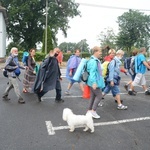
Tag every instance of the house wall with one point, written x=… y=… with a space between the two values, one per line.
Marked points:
x=2 y=36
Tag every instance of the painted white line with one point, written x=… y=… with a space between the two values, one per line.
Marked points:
x=51 y=130
x=72 y=96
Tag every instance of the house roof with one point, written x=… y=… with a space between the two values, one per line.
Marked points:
x=3 y=10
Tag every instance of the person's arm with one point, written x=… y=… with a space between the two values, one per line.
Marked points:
x=146 y=64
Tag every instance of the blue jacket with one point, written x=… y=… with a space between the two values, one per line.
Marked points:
x=95 y=73
x=114 y=68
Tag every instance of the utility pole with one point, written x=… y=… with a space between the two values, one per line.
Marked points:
x=46 y=27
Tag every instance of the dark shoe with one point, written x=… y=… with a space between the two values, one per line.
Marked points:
x=147 y=92
x=39 y=98
x=21 y=101
x=120 y=101
x=126 y=87
x=5 y=97
x=59 y=100
x=131 y=93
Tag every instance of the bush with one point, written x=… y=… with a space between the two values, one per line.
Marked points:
x=66 y=56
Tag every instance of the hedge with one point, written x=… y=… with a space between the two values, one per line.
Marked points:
x=40 y=56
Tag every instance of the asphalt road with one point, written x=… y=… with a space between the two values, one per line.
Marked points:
x=39 y=126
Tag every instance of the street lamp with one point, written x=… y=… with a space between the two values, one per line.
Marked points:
x=46 y=27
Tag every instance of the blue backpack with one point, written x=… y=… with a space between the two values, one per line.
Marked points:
x=25 y=58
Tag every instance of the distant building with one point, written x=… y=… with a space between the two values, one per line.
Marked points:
x=3 y=22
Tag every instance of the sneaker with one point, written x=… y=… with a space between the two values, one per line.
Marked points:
x=59 y=100
x=101 y=103
x=21 y=101
x=5 y=97
x=95 y=115
x=126 y=87
x=122 y=107
x=131 y=93
x=67 y=93
x=147 y=92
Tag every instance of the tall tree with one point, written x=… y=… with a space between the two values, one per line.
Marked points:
x=134 y=27
x=82 y=45
x=27 y=19
x=107 y=38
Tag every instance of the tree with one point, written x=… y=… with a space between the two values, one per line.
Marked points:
x=49 y=40
x=134 y=27
x=107 y=38
x=82 y=45
x=27 y=19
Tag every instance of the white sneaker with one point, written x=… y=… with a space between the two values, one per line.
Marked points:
x=67 y=93
x=95 y=115
x=122 y=107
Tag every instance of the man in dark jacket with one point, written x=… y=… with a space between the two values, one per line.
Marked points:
x=48 y=77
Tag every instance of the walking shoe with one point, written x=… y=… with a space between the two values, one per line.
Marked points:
x=21 y=101
x=95 y=115
x=131 y=93
x=147 y=92
x=126 y=87
x=122 y=107
x=39 y=98
x=101 y=103
x=5 y=97
x=67 y=93
x=59 y=100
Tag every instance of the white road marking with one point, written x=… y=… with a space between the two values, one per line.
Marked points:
x=51 y=130
x=80 y=96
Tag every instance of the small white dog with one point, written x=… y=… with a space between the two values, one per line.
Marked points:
x=78 y=120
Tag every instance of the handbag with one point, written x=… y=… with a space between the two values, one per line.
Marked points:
x=5 y=73
x=84 y=76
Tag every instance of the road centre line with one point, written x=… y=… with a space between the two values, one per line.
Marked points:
x=51 y=130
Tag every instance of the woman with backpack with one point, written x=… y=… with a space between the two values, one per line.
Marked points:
x=30 y=73
x=95 y=81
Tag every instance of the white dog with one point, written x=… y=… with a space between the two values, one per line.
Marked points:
x=78 y=120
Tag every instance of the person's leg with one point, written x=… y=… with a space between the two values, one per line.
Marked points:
x=95 y=101
x=16 y=89
x=58 y=92
x=98 y=98
x=8 y=88
x=69 y=87
x=136 y=81
x=116 y=93
x=92 y=97
x=105 y=91
x=81 y=86
x=143 y=83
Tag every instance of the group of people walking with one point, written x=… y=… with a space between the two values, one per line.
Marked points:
x=103 y=77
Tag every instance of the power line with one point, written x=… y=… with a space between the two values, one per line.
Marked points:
x=111 y=7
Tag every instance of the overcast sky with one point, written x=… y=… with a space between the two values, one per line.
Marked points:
x=93 y=20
